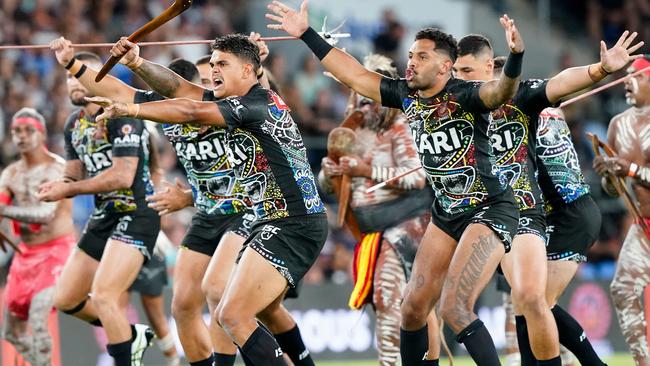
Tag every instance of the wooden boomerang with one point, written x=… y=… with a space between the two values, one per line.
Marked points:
x=619 y=182
x=3 y=239
x=170 y=13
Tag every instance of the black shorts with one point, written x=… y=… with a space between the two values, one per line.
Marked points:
x=500 y=213
x=152 y=277
x=138 y=229
x=572 y=230
x=206 y=231
x=291 y=244
x=533 y=221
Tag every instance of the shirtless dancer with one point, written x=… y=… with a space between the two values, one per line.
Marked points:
x=629 y=135
x=47 y=234
x=385 y=150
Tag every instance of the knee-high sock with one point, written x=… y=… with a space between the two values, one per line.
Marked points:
x=413 y=345
x=292 y=344
x=573 y=337
x=262 y=349
x=479 y=344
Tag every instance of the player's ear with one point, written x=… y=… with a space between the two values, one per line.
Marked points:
x=248 y=71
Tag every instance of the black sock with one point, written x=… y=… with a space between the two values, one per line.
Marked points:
x=430 y=363
x=527 y=357
x=556 y=361
x=209 y=361
x=262 y=349
x=413 y=345
x=292 y=344
x=247 y=361
x=479 y=344
x=121 y=353
x=573 y=337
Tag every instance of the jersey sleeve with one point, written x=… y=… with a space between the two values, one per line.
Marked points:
x=142 y=96
x=70 y=152
x=393 y=92
x=125 y=134
x=468 y=95
x=532 y=96
x=246 y=111
x=208 y=96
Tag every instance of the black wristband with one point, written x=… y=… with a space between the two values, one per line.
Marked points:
x=81 y=71
x=70 y=63
x=512 y=68
x=316 y=43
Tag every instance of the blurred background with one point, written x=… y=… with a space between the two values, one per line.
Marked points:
x=558 y=34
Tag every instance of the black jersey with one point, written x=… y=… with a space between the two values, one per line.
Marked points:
x=202 y=152
x=450 y=134
x=268 y=155
x=513 y=132
x=96 y=144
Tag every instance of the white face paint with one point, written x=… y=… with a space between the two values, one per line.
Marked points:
x=634 y=89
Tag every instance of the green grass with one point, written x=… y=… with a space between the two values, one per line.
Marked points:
x=619 y=359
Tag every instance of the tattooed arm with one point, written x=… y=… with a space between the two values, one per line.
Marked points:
x=166 y=82
x=31 y=214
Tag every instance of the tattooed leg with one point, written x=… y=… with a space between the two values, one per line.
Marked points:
x=389 y=282
x=15 y=332
x=477 y=256
x=39 y=312
x=422 y=292
x=632 y=276
x=525 y=268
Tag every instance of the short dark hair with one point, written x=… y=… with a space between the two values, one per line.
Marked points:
x=87 y=56
x=203 y=60
x=473 y=44
x=499 y=62
x=240 y=46
x=184 y=68
x=444 y=41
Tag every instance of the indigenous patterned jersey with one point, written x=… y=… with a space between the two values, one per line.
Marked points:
x=202 y=152
x=450 y=134
x=560 y=176
x=268 y=155
x=513 y=130
x=96 y=144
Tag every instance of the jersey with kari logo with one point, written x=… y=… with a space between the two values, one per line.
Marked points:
x=268 y=155
x=96 y=144
x=450 y=134
x=560 y=176
x=202 y=152
x=512 y=131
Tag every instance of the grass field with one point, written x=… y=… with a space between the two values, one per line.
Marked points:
x=619 y=359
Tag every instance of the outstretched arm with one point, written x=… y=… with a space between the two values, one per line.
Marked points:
x=110 y=87
x=496 y=92
x=33 y=214
x=179 y=110
x=161 y=79
x=340 y=64
x=577 y=78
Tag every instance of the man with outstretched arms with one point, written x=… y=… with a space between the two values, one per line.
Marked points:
x=474 y=215
x=269 y=159
x=110 y=161
x=392 y=220
x=629 y=136
x=47 y=237
x=513 y=132
x=220 y=226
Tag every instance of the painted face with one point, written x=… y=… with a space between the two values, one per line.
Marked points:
x=228 y=72
x=469 y=67
x=26 y=136
x=204 y=72
x=637 y=89
x=373 y=112
x=425 y=65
